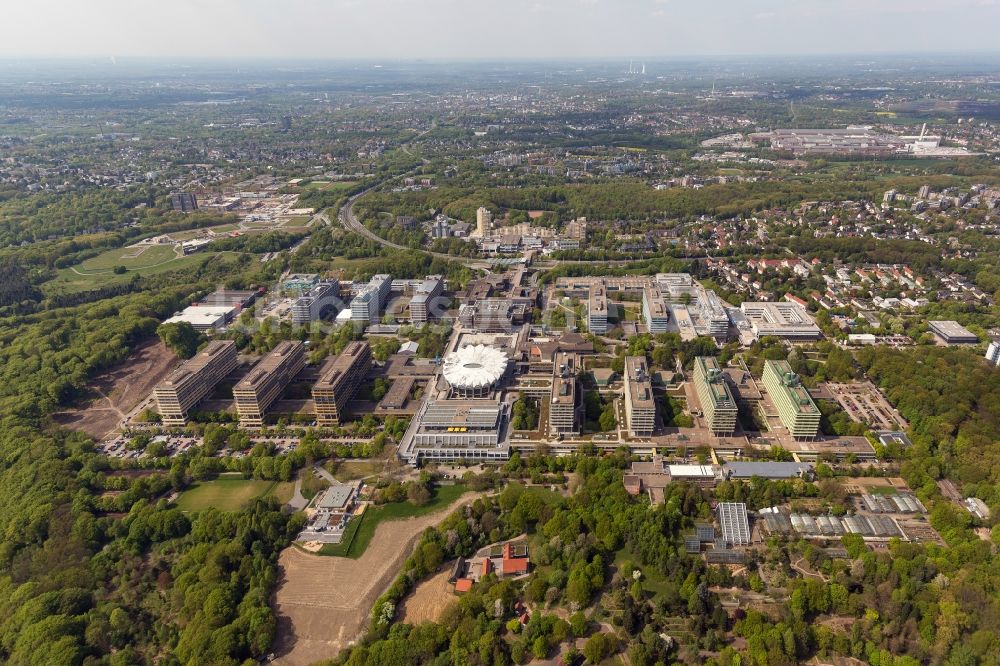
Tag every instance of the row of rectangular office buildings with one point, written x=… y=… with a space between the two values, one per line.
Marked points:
x=255 y=393
x=796 y=409
x=320 y=296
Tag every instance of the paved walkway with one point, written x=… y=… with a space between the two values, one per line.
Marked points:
x=298 y=501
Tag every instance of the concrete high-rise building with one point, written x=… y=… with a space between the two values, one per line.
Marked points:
x=425 y=298
x=484 y=221
x=339 y=380
x=717 y=402
x=597 y=308
x=367 y=305
x=184 y=202
x=186 y=386
x=563 y=401
x=310 y=307
x=640 y=406
x=265 y=383
x=993 y=352
x=654 y=310
x=795 y=406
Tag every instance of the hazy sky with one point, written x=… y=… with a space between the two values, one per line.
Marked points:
x=370 y=29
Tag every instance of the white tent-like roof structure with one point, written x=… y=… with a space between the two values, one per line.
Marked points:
x=475 y=368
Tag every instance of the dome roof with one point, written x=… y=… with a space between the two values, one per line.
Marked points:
x=475 y=366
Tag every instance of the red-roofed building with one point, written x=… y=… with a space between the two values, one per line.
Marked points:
x=512 y=565
x=463 y=585
x=487 y=567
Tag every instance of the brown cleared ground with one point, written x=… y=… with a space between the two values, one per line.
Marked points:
x=323 y=602
x=429 y=599
x=115 y=392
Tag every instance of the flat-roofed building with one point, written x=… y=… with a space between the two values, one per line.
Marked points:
x=953 y=333
x=717 y=402
x=993 y=352
x=767 y=470
x=654 y=310
x=204 y=317
x=795 y=406
x=782 y=319
x=321 y=299
x=563 y=400
x=339 y=381
x=704 y=308
x=459 y=429
x=703 y=475
x=264 y=384
x=597 y=308
x=188 y=385
x=640 y=406
x=492 y=315
x=425 y=298
x=367 y=305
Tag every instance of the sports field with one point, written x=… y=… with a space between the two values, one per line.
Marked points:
x=230 y=493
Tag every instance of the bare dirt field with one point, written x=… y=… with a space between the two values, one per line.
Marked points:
x=429 y=599
x=117 y=391
x=323 y=602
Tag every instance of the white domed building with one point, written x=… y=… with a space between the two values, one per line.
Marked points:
x=474 y=371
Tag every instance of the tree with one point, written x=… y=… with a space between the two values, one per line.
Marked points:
x=181 y=337
x=598 y=648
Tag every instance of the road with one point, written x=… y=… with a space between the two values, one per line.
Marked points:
x=350 y=221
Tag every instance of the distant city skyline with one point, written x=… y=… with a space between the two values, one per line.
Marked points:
x=464 y=29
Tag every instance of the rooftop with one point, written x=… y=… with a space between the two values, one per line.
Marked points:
x=639 y=385
x=792 y=385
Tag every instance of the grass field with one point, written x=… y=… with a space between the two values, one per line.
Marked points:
x=99 y=271
x=349 y=470
x=327 y=186
x=230 y=494
x=361 y=530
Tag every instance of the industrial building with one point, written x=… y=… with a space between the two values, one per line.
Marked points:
x=597 y=308
x=265 y=383
x=564 y=399
x=321 y=299
x=339 y=380
x=367 y=305
x=425 y=298
x=795 y=406
x=188 y=385
x=784 y=319
x=717 y=402
x=733 y=524
x=640 y=406
x=952 y=333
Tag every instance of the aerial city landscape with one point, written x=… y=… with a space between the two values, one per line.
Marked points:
x=616 y=360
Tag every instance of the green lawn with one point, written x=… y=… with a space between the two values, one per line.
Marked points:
x=330 y=186
x=227 y=493
x=350 y=470
x=98 y=272
x=361 y=530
